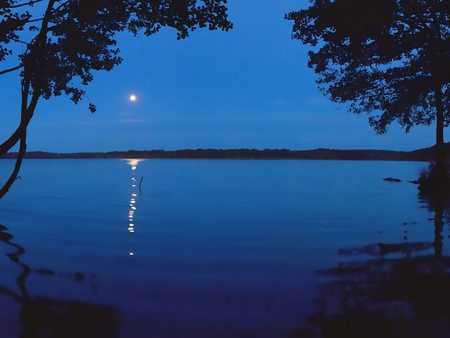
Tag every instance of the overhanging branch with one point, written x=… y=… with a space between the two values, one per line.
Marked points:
x=10 y=70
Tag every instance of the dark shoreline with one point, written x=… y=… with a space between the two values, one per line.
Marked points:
x=426 y=154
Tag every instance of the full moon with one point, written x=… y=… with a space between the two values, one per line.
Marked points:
x=133 y=98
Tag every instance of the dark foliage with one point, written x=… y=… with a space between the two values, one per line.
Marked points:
x=73 y=38
x=389 y=58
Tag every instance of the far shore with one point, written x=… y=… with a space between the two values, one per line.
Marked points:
x=426 y=154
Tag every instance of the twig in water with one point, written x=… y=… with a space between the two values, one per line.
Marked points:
x=140 y=184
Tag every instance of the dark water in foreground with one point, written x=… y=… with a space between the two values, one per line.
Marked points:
x=220 y=249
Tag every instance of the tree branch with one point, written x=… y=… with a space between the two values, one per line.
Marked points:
x=29 y=3
x=26 y=117
x=12 y=178
x=10 y=70
x=22 y=42
x=34 y=20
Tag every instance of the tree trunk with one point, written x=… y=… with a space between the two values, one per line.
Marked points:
x=12 y=178
x=441 y=169
x=439 y=121
x=26 y=111
x=15 y=136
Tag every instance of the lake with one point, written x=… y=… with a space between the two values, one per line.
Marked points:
x=198 y=248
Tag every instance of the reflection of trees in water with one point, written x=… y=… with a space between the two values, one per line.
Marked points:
x=54 y=318
x=15 y=258
x=434 y=191
x=387 y=298
x=403 y=297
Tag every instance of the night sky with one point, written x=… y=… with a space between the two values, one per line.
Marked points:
x=247 y=88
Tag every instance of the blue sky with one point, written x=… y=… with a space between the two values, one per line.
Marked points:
x=248 y=88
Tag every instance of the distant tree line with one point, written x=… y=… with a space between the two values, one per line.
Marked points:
x=251 y=154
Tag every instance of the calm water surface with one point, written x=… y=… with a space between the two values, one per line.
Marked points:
x=206 y=248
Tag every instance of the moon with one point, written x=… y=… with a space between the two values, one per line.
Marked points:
x=133 y=98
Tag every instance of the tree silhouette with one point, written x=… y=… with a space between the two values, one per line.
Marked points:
x=388 y=58
x=66 y=40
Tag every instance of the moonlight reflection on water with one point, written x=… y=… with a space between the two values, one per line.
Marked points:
x=133 y=199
